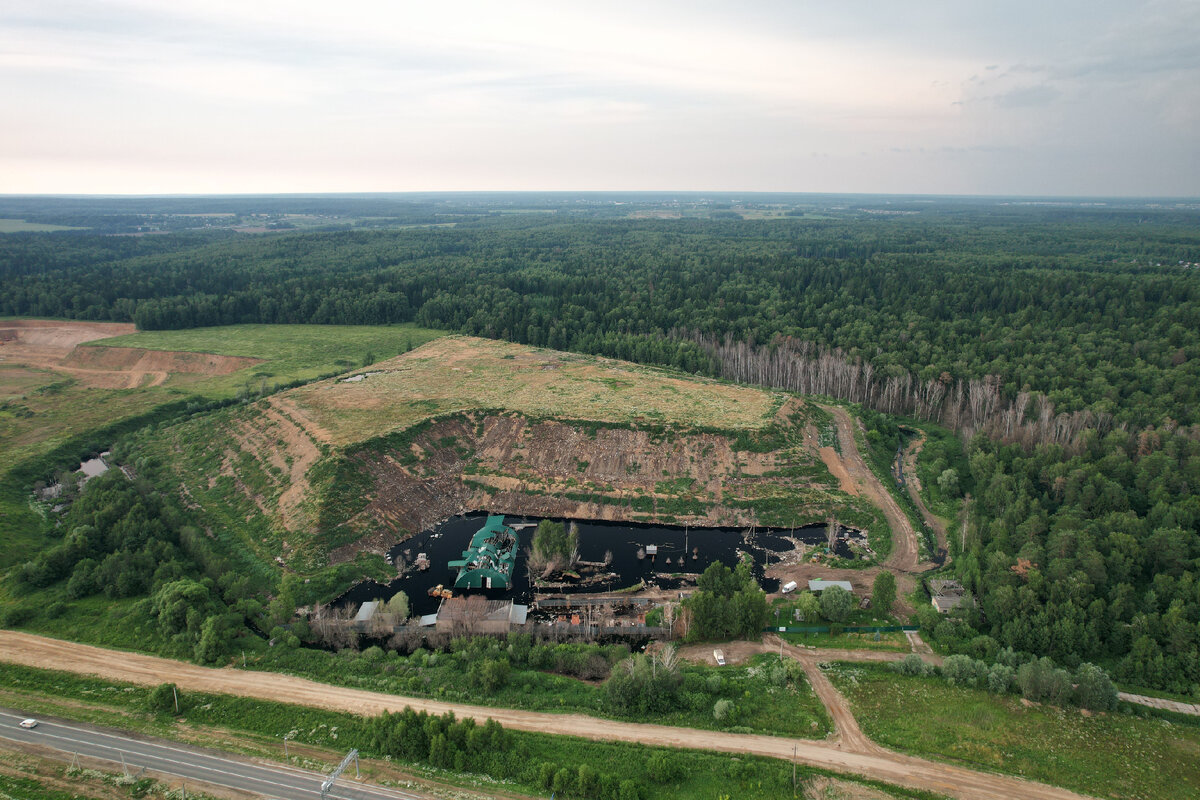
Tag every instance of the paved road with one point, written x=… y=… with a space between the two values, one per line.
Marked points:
x=189 y=763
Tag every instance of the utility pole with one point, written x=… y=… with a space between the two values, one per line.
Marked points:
x=175 y=694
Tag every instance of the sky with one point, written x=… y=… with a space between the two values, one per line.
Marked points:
x=1059 y=98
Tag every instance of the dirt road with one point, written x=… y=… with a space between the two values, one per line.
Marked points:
x=905 y=551
x=851 y=756
x=913 y=484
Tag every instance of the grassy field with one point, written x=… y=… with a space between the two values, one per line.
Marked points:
x=290 y=352
x=9 y=225
x=1109 y=755
x=41 y=406
x=319 y=738
x=460 y=373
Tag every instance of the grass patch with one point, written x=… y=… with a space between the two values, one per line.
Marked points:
x=1110 y=755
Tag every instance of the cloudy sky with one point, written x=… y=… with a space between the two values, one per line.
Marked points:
x=1018 y=97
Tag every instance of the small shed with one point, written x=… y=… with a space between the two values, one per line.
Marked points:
x=818 y=585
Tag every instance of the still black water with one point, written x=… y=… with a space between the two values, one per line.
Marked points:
x=623 y=539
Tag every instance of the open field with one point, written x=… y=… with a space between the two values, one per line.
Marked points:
x=1111 y=755
x=9 y=225
x=52 y=388
x=461 y=373
x=290 y=352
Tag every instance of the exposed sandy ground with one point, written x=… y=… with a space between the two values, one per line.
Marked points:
x=843 y=756
x=53 y=344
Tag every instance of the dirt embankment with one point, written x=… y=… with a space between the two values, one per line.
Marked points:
x=158 y=364
x=876 y=763
x=511 y=464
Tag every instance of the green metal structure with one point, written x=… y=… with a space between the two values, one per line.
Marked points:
x=489 y=561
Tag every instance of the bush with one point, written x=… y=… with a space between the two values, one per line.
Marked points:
x=1093 y=689
x=162 y=698
x=960 y=670
x=836 y=604
x=913 y=665
x=1041 y=681
x=1000 y=678
x=722 y=710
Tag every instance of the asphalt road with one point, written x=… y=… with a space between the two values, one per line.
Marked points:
x=185 y=762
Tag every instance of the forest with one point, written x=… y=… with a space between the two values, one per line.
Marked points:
x=1063 y=347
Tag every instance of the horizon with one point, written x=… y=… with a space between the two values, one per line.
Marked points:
x=723 y=193
x=135 y=98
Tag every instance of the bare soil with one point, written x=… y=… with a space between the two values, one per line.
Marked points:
x=532 y=467
x=53 y=344
x=849 y=754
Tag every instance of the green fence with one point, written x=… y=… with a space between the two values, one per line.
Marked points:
x=847 y=629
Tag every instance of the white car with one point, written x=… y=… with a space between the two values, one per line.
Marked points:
x=719 y=657
x=28 y=723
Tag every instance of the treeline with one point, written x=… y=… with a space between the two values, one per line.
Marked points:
x=1077 y=310
x=966 y=405
x=1086 y=555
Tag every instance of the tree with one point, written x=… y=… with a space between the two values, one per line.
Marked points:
x=836 y=604
x=883 y=593
x=1093 y=689
x=808 y=607
x=948 y=482
x=398 y=607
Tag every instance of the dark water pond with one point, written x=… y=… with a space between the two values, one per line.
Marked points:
x=680 y=550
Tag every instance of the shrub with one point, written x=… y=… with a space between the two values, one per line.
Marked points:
x=1041 y=681
x=912 y=664
x=722 y=710
x=1000 y=678
x=1093 y=689
x=960 y=670
x=162 y=698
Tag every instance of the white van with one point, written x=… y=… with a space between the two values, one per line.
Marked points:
x=719 y=655
x=789 y=587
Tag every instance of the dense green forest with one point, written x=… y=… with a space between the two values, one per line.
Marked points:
x=1064 y=346
x=1095 y=314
